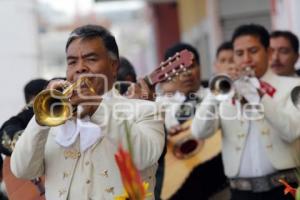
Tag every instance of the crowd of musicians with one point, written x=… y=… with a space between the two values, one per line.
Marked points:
x=232 y=137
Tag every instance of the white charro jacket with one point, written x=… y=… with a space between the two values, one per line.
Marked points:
x=279 y=126
x=94 y=173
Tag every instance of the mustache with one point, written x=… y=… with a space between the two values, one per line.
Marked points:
x=276 y=64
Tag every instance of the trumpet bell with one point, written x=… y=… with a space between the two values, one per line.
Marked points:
x=295 y=96
x=222 y=87
x=51 y=108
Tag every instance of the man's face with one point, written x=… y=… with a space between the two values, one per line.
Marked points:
x=248 y=51
x=283 y=58
x=90 y=56
x=187 y=82
x=224 y=63
x=225 y=58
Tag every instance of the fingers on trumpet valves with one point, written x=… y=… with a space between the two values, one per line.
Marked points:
x=247 y=71
x=58 y=85
x=65 y=85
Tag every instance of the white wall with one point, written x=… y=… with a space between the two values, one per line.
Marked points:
x=240 y=7
x=200 y=38
x=237 y=12
x=18 y=53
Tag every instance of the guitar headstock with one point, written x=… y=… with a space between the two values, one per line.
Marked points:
x=174 y=65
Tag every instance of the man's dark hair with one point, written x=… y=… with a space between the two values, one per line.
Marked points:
x=253 y=30
x=223 y=47
x=291 y=37
x=125 y=69
x=95 y=31
x=33 y=87
x=180 y=46
x=125 y=72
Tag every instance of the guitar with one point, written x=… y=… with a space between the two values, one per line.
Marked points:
x=177 y=170
x=206 y=150
x=174 y=65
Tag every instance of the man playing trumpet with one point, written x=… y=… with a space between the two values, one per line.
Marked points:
x=77 y=157
x=256 y=144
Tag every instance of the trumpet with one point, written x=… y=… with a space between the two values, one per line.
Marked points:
x=295 y=96
x=222 y=86
x=52 y=107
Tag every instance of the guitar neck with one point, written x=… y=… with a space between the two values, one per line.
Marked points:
x=149 y=81
x=170 y=67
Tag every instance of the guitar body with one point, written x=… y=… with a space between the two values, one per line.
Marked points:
x=177 y=170
x=19 y=189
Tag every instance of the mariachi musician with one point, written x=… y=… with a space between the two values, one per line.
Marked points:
x=10 y=131
x=76 y=151
x=259 y=127
x=183 y=93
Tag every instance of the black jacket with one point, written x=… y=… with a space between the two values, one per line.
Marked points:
x=12 y=127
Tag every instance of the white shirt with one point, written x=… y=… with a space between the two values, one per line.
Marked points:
x=254 y=160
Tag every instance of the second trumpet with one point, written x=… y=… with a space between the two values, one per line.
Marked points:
x=222 y=87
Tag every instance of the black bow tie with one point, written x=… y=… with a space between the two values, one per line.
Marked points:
x=188 y=108
x=192 y=97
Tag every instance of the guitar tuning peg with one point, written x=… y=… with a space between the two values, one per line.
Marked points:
x=177 y=74
x=169 y=78
x=184 y=69
x=181 y=66
x=166 y=75
x=174 y=71
x=163 y=63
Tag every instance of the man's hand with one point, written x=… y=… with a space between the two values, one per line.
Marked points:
x=83 y=97
x=86 y=102
x=58 y=84
x=247 y=87
x=175 y=130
